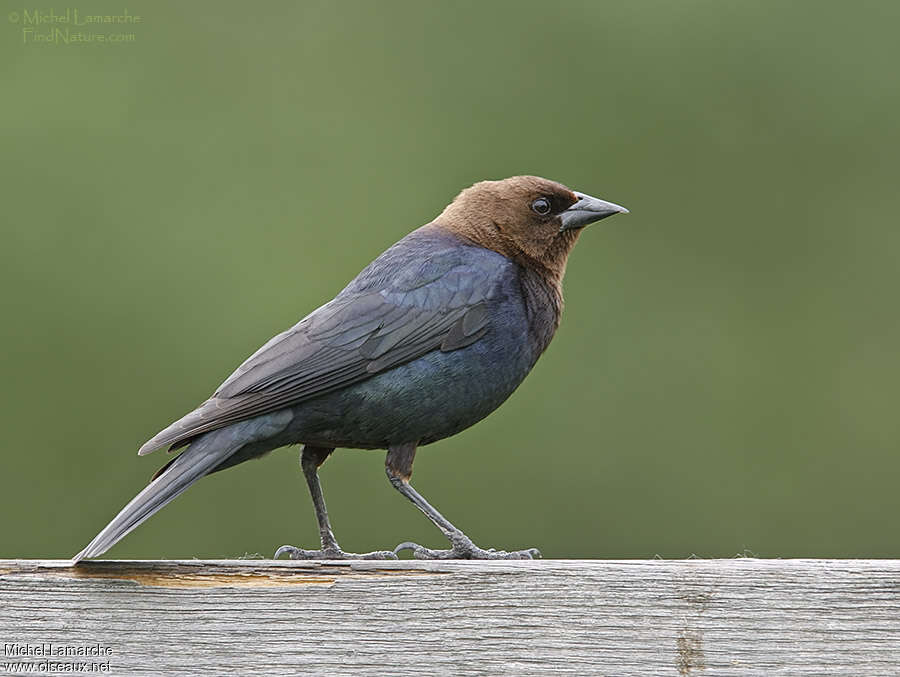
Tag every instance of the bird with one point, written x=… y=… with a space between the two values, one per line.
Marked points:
x=431 y=337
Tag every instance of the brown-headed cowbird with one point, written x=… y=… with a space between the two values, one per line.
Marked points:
x=427 y=340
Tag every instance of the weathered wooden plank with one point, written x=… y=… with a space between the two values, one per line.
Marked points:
x=617 y=618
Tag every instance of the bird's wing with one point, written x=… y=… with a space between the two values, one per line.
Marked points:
x=434 y=304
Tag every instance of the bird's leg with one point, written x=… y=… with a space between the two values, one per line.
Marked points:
x=310 y=460
x=398 y=467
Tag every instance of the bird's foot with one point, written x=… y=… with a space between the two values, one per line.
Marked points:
x=464 y=548
x=330 y=553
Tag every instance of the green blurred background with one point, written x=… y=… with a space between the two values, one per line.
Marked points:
x=725 y=379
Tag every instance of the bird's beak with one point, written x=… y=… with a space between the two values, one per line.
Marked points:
x=587 y=210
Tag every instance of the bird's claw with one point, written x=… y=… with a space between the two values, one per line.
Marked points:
x=330 y=553
x=465 y=549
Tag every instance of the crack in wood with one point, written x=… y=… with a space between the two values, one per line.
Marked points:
x=201 y=574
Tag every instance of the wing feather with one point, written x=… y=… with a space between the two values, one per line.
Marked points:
x=439 y=304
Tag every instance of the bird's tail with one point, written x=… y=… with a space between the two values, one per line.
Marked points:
x=199 y=459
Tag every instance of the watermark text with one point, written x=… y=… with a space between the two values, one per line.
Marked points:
x=74 y=26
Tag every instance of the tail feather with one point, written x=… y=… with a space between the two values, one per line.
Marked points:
x=182 y=430
x=199 y=459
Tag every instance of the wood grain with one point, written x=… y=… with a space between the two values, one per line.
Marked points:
x=568 y=617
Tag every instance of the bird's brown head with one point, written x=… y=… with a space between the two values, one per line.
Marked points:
x=531 y=220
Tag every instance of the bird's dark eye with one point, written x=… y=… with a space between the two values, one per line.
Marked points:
x=541 y=206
